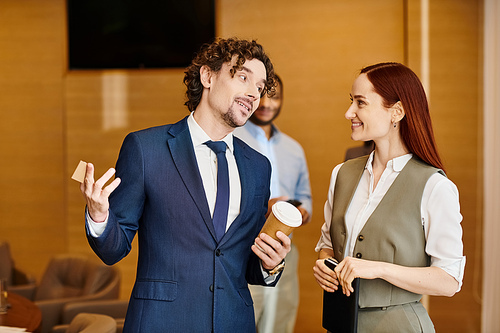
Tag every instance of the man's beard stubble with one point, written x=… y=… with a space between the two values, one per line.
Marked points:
x=230 y=119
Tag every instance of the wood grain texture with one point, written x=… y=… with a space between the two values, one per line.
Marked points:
x=50 y=118
x=32 y=193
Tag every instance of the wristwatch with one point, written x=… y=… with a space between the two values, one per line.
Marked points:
x=277 y=269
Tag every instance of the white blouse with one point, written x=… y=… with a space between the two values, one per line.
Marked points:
x=440 y=210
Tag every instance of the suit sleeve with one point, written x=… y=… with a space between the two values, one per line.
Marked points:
x=254 y=273
x=126 y=205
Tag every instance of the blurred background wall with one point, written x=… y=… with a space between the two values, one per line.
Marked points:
x=50 y=117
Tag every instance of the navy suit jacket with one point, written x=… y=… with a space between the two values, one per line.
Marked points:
x=186 y=281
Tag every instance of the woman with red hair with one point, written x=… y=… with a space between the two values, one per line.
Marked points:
x=392 y=218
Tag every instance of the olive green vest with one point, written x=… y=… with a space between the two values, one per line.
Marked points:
x=393 y=233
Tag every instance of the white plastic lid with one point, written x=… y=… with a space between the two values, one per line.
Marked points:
x=287 y=213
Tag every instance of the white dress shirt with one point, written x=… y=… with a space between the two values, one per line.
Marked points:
x=440 y=211
x=207 y=164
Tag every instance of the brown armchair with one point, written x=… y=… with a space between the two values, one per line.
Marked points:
x=17 y=281
x=116 y=309
x=91 y=323
x=73 y=278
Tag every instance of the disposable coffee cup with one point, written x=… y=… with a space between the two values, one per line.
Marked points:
x=284 y=217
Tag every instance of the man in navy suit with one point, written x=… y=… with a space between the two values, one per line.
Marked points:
x=189 y=279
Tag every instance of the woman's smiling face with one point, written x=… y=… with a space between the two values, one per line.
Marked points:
x=370 y=119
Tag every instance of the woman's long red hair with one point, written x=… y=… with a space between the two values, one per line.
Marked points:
x=395 y=82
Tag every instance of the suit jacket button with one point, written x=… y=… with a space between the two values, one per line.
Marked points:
x=218 y=252
x=358 y=255
x=212 y=287
x=361 y=237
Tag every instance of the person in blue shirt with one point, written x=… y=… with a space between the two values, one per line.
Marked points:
x=276 y=308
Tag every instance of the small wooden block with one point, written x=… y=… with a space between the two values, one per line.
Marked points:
x=79 y=174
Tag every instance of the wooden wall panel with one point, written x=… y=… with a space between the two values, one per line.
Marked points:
x=317 y=47
x=50 y=118
x=32 y=198
x=455 y=101
x=101 y=108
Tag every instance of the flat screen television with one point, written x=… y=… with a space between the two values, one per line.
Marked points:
x=128 y=34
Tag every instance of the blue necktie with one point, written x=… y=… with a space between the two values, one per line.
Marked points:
x=222 y=200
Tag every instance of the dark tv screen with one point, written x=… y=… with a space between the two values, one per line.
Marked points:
x=109 y=34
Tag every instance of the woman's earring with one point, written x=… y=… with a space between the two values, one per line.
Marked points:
x=394 y=124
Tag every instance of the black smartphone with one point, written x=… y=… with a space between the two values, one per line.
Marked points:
x=331 y=263
x=294 y=202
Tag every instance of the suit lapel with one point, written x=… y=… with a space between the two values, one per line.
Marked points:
x=181 y=148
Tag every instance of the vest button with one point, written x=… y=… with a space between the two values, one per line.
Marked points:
x=211 y=287
x=218 y=252
x=358 y=255
x=361 y=237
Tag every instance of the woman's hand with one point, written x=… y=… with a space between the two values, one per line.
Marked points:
x=325 y=277
x=350 y=268
x=432 y=281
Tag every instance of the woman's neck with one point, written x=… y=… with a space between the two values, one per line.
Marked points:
x=386 y=151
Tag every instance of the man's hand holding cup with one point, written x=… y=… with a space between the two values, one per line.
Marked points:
x=273 y=243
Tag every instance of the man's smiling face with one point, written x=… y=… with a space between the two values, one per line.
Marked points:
x=235 y=97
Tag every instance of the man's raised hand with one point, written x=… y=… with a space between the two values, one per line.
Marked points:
x=96 y=194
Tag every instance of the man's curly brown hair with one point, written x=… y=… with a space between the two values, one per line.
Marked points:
x=221 y=51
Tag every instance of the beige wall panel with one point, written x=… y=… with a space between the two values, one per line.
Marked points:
x=31 y=131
